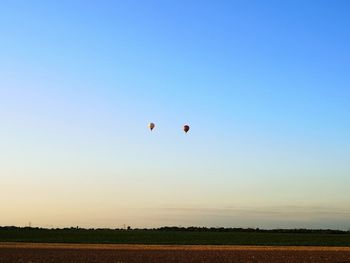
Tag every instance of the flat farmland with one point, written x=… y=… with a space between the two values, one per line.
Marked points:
x=182 y=237
x=119 y=253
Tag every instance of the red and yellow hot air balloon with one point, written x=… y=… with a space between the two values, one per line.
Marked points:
x=186 y=128
x=151 y=126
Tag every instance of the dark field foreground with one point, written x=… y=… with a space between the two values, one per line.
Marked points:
x=177 y=237
x=35 y=253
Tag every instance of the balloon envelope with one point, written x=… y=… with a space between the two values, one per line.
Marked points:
x=151 y=126
x=186 y=128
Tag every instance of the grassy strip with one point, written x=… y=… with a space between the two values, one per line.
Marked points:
x=161 y=237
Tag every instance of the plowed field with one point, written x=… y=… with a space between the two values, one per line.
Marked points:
x=36 y=252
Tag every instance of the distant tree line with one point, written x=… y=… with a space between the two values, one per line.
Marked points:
x=255 y=230
x=184 y=229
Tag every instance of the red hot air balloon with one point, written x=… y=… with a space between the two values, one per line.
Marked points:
x=186 y=128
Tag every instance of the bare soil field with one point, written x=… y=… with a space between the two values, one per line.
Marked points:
x=43 y=252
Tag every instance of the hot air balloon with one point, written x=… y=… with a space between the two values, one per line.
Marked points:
x=186 y=128
x=151 y=126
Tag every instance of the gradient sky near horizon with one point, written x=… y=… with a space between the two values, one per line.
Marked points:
x=264 y=85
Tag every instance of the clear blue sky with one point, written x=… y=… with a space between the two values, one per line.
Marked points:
x=265 y=86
